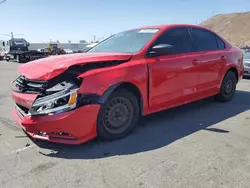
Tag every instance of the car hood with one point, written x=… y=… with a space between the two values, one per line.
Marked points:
x=47 y=68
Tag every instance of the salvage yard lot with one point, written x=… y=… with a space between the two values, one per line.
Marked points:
x=203 y=144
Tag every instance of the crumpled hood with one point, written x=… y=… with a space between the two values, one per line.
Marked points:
x=47 y=68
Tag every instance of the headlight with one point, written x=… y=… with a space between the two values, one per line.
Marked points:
x=55 y=103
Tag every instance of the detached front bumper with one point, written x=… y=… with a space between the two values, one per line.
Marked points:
x=73 y=127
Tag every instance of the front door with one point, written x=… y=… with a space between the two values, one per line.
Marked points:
x=173 y=77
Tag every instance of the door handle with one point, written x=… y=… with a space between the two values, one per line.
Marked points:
x=223 y=58
x=195 y=62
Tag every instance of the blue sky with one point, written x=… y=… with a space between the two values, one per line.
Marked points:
x=63 y=20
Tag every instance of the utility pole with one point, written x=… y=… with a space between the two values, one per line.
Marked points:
x=10 y=35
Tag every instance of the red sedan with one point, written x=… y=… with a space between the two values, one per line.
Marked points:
x=74 y=98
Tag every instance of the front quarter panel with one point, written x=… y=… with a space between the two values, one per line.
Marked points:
x=100 y=80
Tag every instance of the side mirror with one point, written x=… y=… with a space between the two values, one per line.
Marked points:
x=161 y=49
x=3 y=43
x=28 y=44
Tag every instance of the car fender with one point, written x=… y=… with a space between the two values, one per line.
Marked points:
x=226 y=69
x=104 y=81
x=107 y=93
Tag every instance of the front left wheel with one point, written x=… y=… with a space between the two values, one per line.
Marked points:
x=118 y=116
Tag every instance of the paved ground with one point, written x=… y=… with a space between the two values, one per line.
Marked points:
x=203 y=144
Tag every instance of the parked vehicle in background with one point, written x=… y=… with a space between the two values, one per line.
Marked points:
x=246 y=48
x=246 y=62
x=77 y=51
x=73 y=98
x=68 y=51
x=89 y=46
x=54 y=49
x=2 y=55
x=17 y=49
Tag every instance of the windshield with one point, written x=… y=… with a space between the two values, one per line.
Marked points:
x=18 y=43
x=131 y=41
x=246 y=55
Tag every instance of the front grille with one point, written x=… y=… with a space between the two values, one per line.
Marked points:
x=25 y=85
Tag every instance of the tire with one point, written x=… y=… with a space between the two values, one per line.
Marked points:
x=228 y=87
x=118 y=115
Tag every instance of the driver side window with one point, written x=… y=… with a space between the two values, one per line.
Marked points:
x=179 y=38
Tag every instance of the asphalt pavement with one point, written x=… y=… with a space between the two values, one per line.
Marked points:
x=205 y=144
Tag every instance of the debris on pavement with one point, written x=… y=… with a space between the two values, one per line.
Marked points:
x=27 y=145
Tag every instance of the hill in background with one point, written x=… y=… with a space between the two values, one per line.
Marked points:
x=233 y=27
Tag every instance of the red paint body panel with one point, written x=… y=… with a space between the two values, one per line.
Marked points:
x=163 y=82
x=80 y=123
x=135 y=74
x=25 y=100
x=47 y=68
x=168 y=78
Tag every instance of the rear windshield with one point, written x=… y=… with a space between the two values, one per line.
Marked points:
x=131 y=41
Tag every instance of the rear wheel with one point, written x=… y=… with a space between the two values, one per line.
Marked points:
x=228 y=87
x=118 y=116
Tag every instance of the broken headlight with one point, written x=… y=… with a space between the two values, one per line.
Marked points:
x=56 y=103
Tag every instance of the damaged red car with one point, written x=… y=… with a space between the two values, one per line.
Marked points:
x=73 y=98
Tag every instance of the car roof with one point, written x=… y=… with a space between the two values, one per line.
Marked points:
x=165 y=26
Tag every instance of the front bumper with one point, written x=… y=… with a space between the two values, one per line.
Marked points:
x=73 y=127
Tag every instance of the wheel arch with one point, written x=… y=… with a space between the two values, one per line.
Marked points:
x=235 y=71
x=224 y=96
x=124 y=85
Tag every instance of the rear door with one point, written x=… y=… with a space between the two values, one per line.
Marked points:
x=173 y=76
x=211 y=57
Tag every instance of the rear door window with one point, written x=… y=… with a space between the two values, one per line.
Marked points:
x=205 y=40
x=221 y=44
